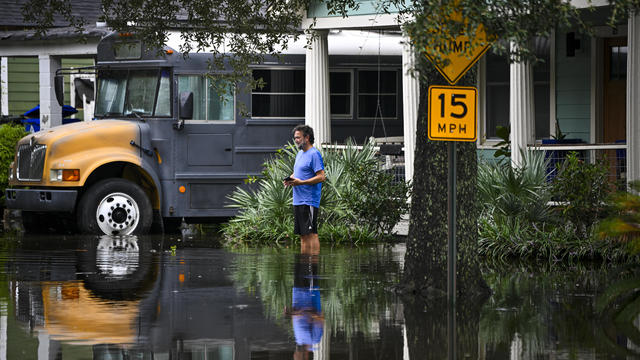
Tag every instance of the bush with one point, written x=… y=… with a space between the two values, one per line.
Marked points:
x=359 y=202
x=582 y=188
x=9 y=136
x=517 y=221
x=512 y=193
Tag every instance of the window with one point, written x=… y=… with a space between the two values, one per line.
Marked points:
x=208 y=104
x=340 y=93
x=374 y=85
x=497 y=86
x=497 y=93
x=134 y=93
x=541 y=88
x=163 y=106
x=282 y=95
x=618 y=61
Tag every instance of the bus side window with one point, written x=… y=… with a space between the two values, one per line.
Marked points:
x=208 y=104
x=163 y=104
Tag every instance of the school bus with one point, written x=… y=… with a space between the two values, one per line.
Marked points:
x=164 y=145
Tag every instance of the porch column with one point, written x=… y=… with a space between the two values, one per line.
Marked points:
x=316 y=111
x=4 y=86
x=50 y=111
x=410 y=99
x=520 y=108
x=633 y=94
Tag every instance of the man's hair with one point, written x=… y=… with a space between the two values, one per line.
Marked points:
x=305 y=130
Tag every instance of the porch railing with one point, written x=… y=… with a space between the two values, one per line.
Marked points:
x=390 y=154
x=614 y=157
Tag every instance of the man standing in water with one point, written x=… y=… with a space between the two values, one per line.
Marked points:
x=308 y=175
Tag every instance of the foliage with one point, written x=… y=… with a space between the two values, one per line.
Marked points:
x=504 y=146
x=359 y=202
x=582 y=188
x=9 y=136
x=377 y=200
x=518 y=222
x=623 y=224
x=508 y=193
x=559 y=135
x=237 y=32
x=250 y=29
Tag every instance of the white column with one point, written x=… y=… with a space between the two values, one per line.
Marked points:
x=322 y=350
x=4 y=86
x=633 y=94
x=43 y=345
x=316 y=110
x=410 y=100
x=3 y=329
x=520 y=109
x=50 y=111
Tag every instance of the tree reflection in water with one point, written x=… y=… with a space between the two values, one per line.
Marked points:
x=354 y=285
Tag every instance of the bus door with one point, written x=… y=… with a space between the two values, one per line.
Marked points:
x=204 y=148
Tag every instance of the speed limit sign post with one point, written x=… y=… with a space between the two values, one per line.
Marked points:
x=452 y=113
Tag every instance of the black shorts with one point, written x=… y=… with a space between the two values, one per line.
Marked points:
x=305 y=219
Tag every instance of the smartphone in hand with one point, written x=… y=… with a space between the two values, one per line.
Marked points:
x=288 y=178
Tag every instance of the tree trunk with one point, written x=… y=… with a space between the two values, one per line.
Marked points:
x=425 y=270
x=426 y=258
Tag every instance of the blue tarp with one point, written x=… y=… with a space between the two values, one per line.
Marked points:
x=32 y=121
x=34 y=113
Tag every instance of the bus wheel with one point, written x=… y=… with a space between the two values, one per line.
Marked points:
x=114 y=207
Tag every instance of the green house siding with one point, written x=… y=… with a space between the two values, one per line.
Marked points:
x=23 y=82
x=573 y=88
x=365 y=7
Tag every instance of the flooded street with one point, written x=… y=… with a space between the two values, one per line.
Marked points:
x=173 y=298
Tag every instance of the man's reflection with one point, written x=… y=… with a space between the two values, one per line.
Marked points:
x=306 y=311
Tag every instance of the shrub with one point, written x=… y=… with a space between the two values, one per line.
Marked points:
x=582 y=188
x=9 y=136
x=512 y=193
x=623 y=223
x=359 y=202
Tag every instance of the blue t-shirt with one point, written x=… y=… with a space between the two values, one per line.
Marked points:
x=307 y=164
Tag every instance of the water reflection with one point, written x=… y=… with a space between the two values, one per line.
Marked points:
x=133 y=298
x=306 y=308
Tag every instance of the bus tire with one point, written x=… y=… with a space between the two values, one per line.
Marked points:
x=114 y=207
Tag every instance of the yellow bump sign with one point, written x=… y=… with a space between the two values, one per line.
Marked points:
x=452 y=113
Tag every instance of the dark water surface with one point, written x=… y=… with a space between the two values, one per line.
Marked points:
x=186 y=298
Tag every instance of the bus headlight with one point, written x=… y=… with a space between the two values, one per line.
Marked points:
x=64 y=175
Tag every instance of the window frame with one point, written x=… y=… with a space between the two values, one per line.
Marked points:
x=351 y=94
x=253 y=91
x=177 y=76
x=356 y=90
x=128 y=71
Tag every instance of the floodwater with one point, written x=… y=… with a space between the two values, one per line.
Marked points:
x=187 y=298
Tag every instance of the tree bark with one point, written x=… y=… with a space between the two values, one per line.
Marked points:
x=425 y=271
x=426 y=257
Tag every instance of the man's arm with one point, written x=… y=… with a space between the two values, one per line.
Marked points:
x=320 y=177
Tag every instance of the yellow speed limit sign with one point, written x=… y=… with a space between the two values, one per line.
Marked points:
x=452 y=113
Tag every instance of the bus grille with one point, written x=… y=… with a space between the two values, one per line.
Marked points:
x=31 y=162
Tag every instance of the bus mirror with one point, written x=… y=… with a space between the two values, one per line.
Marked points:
x=186 y=105
x=59 y=88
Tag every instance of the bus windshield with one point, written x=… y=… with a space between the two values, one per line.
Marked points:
x=133 y=93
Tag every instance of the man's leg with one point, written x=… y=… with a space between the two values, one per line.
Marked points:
x=310 y=244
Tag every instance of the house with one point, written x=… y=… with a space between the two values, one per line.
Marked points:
x=582 y=89
x=587 y=88
x=28 y=62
